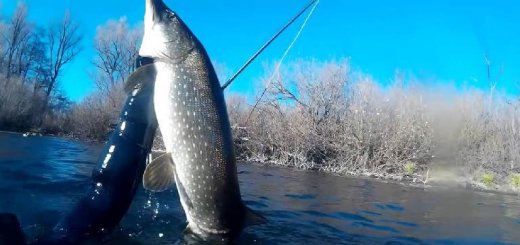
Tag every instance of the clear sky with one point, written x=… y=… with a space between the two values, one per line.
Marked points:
x=443 y=40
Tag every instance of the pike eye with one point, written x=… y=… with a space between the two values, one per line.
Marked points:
x=170 y=15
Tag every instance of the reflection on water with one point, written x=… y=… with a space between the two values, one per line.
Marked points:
x=40 y=178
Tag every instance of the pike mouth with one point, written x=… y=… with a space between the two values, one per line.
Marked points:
x=157 y=10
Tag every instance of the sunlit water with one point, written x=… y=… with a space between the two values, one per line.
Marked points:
x=41 y=178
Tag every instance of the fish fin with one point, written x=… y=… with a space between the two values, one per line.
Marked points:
x=143 y=74
x=159 y=175
x=10 y=230
x=253 y=218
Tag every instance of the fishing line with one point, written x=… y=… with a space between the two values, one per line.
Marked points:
x=250 y=60
x=277 y=68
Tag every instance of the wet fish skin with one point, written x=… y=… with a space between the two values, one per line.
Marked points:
x=192 y=116
x=117 y=174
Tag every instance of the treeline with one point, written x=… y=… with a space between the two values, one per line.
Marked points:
x=321 y=115
x=32 y=59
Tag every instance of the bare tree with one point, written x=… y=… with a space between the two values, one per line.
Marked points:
x=63 y=46
x=31 y=57
x=16 y=37
x=117 y=46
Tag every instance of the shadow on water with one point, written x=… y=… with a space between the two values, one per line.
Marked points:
x=41 y=178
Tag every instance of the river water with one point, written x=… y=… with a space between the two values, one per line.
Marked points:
x=42 y=177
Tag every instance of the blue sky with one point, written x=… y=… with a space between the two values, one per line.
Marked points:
x=438 y=40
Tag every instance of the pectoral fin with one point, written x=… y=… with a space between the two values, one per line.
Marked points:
x=159 y=175
x=143 y=74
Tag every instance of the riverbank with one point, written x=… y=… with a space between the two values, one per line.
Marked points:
x=433 y=176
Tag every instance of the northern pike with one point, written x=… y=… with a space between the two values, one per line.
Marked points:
x=193 y=120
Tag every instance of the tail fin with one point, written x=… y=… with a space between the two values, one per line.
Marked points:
x=10 y=230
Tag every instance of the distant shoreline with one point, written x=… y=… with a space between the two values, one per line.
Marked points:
x=84 y=140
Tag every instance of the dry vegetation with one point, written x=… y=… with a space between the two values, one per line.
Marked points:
x=319 y=115
x=322 y=116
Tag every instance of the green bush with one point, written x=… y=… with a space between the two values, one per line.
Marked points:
x=410 y=167
x=515 y=180
x=488 y=179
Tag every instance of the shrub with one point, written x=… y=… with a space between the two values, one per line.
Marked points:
x=410 y=167
x=515 y=180
x=488 y=179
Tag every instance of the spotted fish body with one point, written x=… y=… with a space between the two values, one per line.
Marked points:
x=192 y=117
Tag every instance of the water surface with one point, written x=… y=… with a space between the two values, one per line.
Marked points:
x=42 y=177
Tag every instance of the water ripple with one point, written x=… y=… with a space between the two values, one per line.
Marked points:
x=301 y=196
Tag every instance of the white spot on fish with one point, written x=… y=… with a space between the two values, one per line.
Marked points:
x=99 y=184
x=123 y=126
x=105 y=162
x=161 y=235
x=112 y=148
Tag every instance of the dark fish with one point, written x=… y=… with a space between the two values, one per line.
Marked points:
x=10 y=231
x=117 y=174
x=191 y=112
